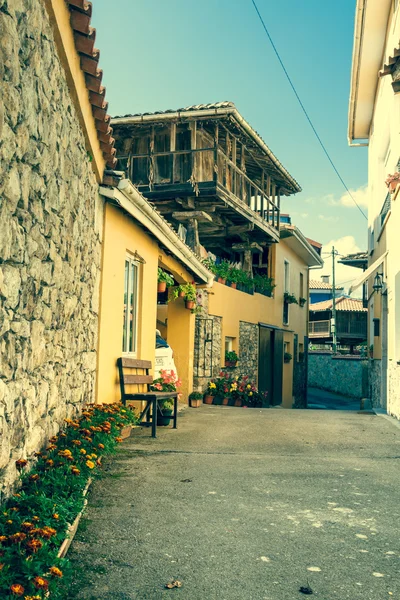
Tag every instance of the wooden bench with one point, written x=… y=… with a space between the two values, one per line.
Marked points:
x=136 y=372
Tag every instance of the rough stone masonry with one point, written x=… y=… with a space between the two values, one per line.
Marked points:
x=50 y=241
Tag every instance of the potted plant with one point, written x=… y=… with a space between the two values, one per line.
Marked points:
x=287 y=357
x=222 y=271
x=231 y=359
x=234 y=277
x=302 y=301
x=189 y=294
x=211 y=391
x=290 y=298
x=263 y=284
x=392 y=181
x=167 y=382
x=164 y=280
x=210 y=265
x=195 y=399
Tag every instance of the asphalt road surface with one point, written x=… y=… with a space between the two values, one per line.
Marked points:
x=243 y=504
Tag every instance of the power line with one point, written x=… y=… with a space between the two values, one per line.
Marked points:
x=305 y=111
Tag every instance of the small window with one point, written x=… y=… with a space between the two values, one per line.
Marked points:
x=229 y=344
x=287 y=276
x=129 y=333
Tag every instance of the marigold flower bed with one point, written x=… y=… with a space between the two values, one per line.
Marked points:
x=35 y=521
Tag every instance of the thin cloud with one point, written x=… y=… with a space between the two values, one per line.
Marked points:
x=328 y=219
x=344 y=274
x=360 y=195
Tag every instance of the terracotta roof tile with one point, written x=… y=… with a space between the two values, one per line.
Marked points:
x=84 y=37
x=342 y=304
x=321 y=285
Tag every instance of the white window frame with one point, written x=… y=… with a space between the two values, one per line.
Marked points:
x=286 y=284
x=134 y=292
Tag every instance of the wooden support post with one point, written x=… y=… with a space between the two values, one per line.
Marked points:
x=262 y=195
x=217 y=176
x=172 y=149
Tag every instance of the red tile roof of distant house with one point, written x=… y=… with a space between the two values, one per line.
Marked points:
x=342 y=304
x=84 y=37
x=322 y=285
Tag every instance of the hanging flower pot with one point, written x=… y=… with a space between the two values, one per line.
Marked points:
x=393 y=181
x=181 y=294
x=189 y=304
x=162 y=286
x=164 y=280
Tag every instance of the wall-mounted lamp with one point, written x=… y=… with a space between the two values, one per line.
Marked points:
x=378 y=283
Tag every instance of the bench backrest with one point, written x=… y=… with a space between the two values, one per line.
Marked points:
x=133 y=371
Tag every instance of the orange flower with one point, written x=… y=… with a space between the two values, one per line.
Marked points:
x=17 y=589
x=35 y=519
x=48 y=532
x=26 y=526
x=51 y=447
x=3 y=538
x=32 y=598
x=16 y=538
x=50 y=462
x=34 y=545
x=56 y=572
x=75 y=471
x=101 y=446
x=119 y=439
x=82 y=451
x=34 y=477
x=21 y=463
x=2 y=565
x=40 y=583
x=56 y=516
x=90 y=464
x=77 y=442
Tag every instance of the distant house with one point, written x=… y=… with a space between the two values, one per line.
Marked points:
x=351 y=320
x=322 y=290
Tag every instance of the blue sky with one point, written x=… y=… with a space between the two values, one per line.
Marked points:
x=158 y=55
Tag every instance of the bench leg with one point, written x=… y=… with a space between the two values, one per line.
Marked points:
x=175 y=412
x=154 y=418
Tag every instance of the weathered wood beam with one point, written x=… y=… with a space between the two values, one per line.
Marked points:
x=199 y=215
x=252 y=247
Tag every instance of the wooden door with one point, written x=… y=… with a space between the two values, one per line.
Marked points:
x=270 y=364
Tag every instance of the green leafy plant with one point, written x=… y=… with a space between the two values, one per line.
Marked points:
x=189 y=291
x=290 y=298
x=222 y=269
x=287 y=357
x=234 y=275
x=264 y=284
x=163 y=276
x=34 y=521
x=195 y=396
x=231 y=356
x=210 y=265
x=302 y=301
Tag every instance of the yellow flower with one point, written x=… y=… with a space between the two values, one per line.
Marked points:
x=56 y=572
x=90 y=464
x=212 y=385
x=248 y=386
x=251 y=393
x=82 y=451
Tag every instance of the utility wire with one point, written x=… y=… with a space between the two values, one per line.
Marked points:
x=305 y=111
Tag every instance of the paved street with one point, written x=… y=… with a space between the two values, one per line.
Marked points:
x=242 y=504
x=321 y=399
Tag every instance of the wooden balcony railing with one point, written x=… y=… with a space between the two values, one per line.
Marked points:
x=205 y=165
x=319 y=328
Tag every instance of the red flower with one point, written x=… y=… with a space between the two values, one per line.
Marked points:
x=17 y=589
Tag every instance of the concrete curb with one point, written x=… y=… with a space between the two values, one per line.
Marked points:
x=381 y=413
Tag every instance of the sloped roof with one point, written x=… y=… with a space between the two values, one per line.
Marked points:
x=233 y=120
x=321 y=285
x=84 y=38
x=342 y=304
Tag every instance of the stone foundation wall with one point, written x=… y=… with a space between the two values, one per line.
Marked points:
x=50 y=241
x=375 y=383
x=248 y=349
x=207 y=347
x=342 y=375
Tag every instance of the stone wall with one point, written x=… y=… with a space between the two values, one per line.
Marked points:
x=248 y=349
x=375 y=383
x=393 y=407
x=207 y=347
x=50 y=241
x=342 y=375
